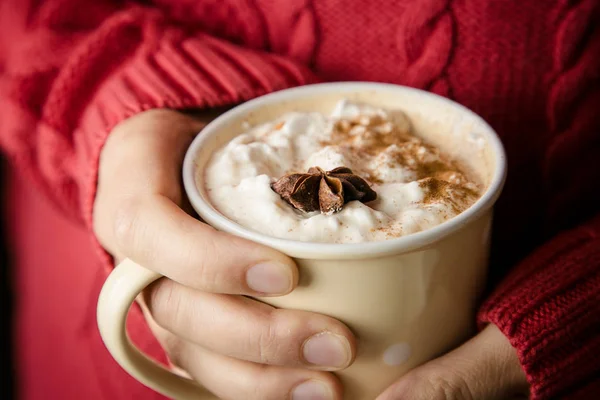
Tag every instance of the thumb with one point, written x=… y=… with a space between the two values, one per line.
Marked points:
x=484 y=368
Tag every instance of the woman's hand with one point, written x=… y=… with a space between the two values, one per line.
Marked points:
x=236 y=347
x=484 y=368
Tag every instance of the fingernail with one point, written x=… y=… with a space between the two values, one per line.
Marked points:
x=311 y=390
x=327 y=349
x=269 y=278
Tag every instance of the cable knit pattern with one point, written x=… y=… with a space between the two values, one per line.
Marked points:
x=132 y=62
x=425 y=44
x=558 y=286
x=236 y=20
x=549 y=307
x=293 y=30
x=571 y=156
x=72 y=70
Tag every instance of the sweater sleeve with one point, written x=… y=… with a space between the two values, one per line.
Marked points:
x=71 y=70
x=549 y=308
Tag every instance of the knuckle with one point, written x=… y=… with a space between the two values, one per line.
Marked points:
x=209 y=276
x=126 y=222
x=267 y=384
x=204 y=265
x=280 y=338
x=165 y=304
x=454 y=388
x=261 y=386
x=268 y=341
x=462 y=389
x=135 y=232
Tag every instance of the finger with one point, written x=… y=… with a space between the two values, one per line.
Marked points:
x=142 y=156
x=260 y=333
x=159 y=235
x=425 y=384
x=484 y=368
x=233 y=379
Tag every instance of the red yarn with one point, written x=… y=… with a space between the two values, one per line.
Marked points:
x=71 y=70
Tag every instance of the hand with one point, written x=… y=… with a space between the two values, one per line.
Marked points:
x=235 y=346
x=484 y=368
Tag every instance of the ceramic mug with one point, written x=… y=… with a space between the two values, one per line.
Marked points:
x=407 y=300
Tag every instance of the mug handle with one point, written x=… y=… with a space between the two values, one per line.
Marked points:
x=121 y=288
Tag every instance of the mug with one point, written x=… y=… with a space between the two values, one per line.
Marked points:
x=407 y=300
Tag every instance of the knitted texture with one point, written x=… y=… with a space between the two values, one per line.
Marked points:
x=548 y=307
x=70 y=71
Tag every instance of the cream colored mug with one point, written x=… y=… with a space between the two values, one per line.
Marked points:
x=407 y=300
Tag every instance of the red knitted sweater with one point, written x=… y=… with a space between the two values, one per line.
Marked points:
x=70 y=70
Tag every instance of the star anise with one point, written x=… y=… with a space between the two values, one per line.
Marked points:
x=324 y=191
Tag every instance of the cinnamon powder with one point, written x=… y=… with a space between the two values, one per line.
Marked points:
x=441 y=179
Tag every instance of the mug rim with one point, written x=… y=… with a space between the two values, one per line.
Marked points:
x=315 y=250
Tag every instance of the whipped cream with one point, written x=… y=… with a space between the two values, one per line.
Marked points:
x=417 y=187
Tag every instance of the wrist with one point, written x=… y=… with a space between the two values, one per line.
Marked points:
x=504 y=358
